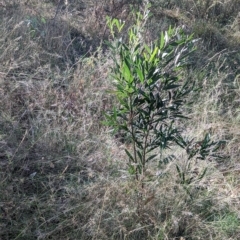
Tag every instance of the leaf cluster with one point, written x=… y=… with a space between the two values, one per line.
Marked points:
x=150 y=91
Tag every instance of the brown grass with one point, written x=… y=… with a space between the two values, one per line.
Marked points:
x=63 y=175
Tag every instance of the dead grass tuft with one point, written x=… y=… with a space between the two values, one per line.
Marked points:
x=62 y=174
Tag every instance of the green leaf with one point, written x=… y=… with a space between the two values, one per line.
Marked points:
x=143 y=112
x=144 y=75
x=153 y=55
x=139 y=155
x=140 y=74
x=203 y=174
x=148 y=49
x=154 y=146
x=139 y=144
x=138 y=101
x=127 y=73
x=136 y=49
x=129 y=155
x=167 y=159
x=162 y=41
x=151 y=157
x=179 y=171
x=171 y=86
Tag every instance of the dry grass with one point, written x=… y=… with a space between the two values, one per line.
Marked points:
x=62 y=174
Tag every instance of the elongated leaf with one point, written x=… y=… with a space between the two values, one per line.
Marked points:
x=142 y=111
x=203 y=174
x=152 y=148
x=151 y=157
x=139 y=144
x=166 y=37
x=139 y=155
x=179 y=171
x=162 y=118
x=136 y=49
x=140 y=74
x=170 y=57
x=153 y=55
x=148 y=49
x=159 y=102
x=180 y=142
x=180 y=116
x=128 y=61
x=138 y=102
x=167 y=159
x=171 y=86
x=129 y=155
x=127 y=73
x=162 y=41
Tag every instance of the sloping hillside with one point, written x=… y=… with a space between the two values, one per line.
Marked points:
x=63 y=173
